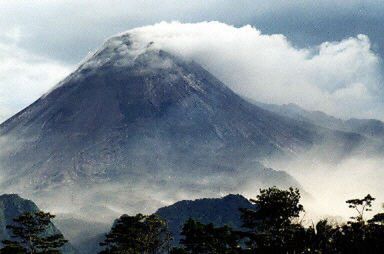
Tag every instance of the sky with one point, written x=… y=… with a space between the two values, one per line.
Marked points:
x=322 y=55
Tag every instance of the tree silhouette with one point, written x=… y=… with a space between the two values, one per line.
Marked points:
x=270 y=227
x=30 y=231
x=139 y=234
x=12 y=247
x=361 y=206
x=205 y=238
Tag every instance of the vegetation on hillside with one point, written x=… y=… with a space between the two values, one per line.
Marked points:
x=275 y=227
x=272 y=225
x=139 y=234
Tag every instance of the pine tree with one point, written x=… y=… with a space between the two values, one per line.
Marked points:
x=30 y=233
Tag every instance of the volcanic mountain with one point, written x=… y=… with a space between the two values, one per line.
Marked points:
x=136 y=115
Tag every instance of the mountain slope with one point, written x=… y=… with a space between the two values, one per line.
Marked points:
x=370 y=128
x=151 y=107
x=219 y=211
x=133 y=119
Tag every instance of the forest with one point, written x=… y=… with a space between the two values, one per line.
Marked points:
x=274 y=226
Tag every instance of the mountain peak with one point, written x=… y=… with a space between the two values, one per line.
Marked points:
x=120 y=52
x=134 y=113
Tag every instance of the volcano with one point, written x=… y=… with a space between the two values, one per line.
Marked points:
x=133 y=114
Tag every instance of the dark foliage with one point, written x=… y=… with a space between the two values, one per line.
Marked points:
x=274 y=228
x=218 y=211
x=201 y=238
x=270 y=227
x=275 y=209
x=11 y=247
x=139 y=234
x=361 y=206
x=30 y=233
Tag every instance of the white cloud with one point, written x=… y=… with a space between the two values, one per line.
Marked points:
x=24 y=77
x=330 y=185
x=341 y=78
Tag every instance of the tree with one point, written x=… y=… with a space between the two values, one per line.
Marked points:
x=30 y=233
x=275 y=208
x=377 y=219
x=321 y=238
x=178 y=250
x=139 y=234
x=206 y=239
x=361 y=206
x=359 y=235
x=375 y=233
x=12 y=247
x=270 y=227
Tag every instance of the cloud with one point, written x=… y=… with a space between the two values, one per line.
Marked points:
x=24 y=77
x=57 y=28
x=330 y=185
x=342 y=78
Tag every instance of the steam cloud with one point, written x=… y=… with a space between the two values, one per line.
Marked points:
x=341 y=78
x=330 y=184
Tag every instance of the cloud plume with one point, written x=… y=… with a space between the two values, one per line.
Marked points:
x=342 y=78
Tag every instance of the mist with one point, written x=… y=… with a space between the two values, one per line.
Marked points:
x=330 y=183
x=325 y=185
x=104 y=201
